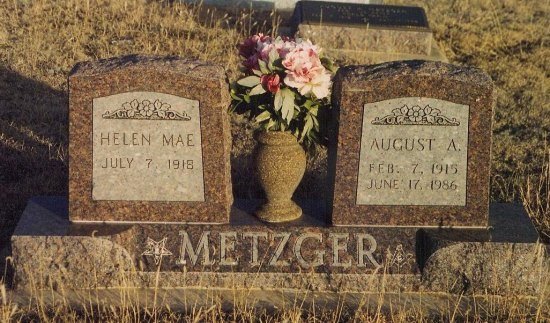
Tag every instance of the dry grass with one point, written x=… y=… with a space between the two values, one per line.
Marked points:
x=41 y=40
x=55 y=306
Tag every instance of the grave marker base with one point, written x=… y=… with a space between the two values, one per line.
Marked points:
x=49 y=252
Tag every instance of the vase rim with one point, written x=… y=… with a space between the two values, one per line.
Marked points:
x=276 y=138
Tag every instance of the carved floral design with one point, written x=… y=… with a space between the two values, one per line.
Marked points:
x=146 y=110
x=416 y=115
x=398 y=259
x=157 y=249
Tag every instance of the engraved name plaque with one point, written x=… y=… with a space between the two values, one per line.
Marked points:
x=147 y=146
x=414 y=151
x=355 y=14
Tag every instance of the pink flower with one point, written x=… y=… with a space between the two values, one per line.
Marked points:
x=305 y=71
x=315 y=81
x=263 y=51
x=271 y=83
x=251 y=50
x=283 y=45
x=250 y=45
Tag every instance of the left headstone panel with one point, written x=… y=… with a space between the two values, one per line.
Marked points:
x=150 y=140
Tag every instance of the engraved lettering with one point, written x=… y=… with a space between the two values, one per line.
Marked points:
x=187 y=248
x=403 y=144
x=452 y=145
x=392 y=184
x=147 y=146
x=280 y=248
x=381 y=168
x=361 y=252
x=177 y=141
x=339 y=243
x=254 y=244
x=319 y=260
x=227 y=245
x=413 y=152
x=104 y=139
x=120 y=163
x=124 y=139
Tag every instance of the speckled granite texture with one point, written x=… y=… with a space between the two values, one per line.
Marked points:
x=49 y=251
x=193 y=80
x=355 y=86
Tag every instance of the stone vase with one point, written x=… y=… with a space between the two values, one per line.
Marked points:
x=280 y=165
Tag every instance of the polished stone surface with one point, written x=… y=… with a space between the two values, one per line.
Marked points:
x=446 y=92
x=306 y=254
x=413 y=152
x=147 y=147
x=149 y=140
x=282 y=5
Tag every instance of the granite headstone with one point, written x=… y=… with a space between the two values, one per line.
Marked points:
x=410 y=145
x=149 y=141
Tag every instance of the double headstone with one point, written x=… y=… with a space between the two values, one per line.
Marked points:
x=150 y=143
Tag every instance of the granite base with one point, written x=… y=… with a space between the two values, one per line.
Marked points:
x=51 y=253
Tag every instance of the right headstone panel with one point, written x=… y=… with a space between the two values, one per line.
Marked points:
x=410 y=145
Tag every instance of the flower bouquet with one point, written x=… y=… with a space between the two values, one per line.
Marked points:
x=285 y=90
x=286 y=86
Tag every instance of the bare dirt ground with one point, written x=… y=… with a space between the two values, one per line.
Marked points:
x=41 y=40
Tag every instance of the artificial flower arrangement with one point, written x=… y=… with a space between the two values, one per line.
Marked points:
x=286 y=85
x=285 y=90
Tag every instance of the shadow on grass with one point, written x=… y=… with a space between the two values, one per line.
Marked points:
x=33 y=145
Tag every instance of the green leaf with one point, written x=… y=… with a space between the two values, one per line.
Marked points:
x=314 y=111
x=246 y=98
x=263 y=116
x=249 y=81
x=307 y=126
x=271 y=124
x=258 y=89
x=257 y=72
x=287 y=110
x=235 y=97
x=273 y=56
x=329 y=64
x=263 y=67
x=278 y=102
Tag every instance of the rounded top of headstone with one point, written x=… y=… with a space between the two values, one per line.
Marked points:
x=398 y=69
x=171 y=64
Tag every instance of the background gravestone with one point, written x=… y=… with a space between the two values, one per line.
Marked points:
x=410 y=145
x=149 y=141
x=368 y=33
x=283 y=5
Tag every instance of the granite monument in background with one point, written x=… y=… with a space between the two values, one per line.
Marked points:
x=279 y=5
x=366 y=33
